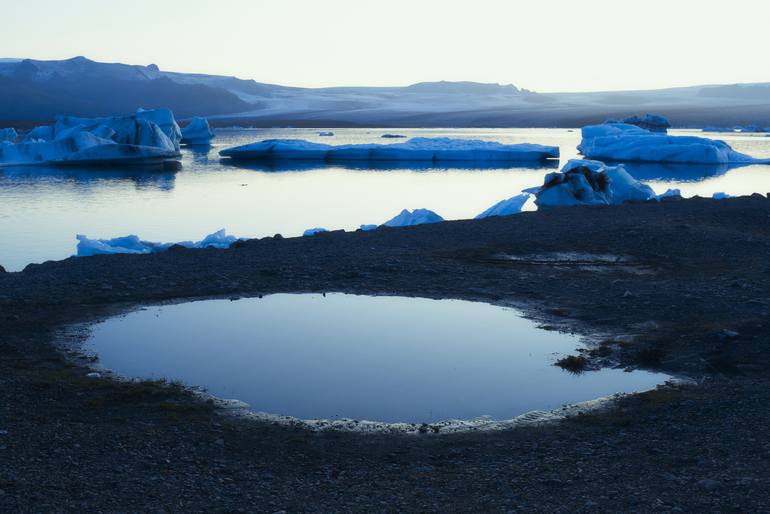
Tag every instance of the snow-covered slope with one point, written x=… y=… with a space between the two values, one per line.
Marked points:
x=40 y=89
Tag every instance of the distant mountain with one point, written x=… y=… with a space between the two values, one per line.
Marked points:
x=41 y=89
x=38 y=90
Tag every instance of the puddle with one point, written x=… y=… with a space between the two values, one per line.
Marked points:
x=333 y=357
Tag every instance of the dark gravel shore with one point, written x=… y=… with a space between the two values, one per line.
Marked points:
x=680 y=286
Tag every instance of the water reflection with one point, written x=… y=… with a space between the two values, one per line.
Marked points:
x=678 y=172
x=161 y=178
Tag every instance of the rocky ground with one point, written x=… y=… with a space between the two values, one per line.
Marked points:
x=681 y=286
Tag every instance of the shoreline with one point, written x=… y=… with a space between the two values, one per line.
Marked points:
x=701 y=311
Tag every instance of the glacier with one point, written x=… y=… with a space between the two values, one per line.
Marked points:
x=629 y=143
x=133 y=245
x=587 y=182
x=506 y=207
x=408 y=218
x=416 y=149
x=197 y=132
x=147 y=137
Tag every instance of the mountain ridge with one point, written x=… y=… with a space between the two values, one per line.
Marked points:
x=38 y=90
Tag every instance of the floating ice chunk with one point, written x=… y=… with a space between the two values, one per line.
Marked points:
x=8 y=134
x=81 y=148
x=314 y=231
x=721 y=196
x=367 y=228
x=146 y=128
x=585 y=182
x=164 y=119
x=507 y=207
x=651 y=122
x=326 y=134
x=392 y=136
x=126 y=244
x=197 y=132
x=127 y=130
x=416 y=217
x=623 y=142
x=416 y=149
x=133 y=245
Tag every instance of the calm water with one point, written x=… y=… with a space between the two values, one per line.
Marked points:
x=41 y=210
x=344 y=356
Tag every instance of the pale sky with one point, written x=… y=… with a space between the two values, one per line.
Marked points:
x=543 y=45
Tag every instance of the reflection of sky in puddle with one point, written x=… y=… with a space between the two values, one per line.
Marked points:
x=376 y=358
x=41 y=210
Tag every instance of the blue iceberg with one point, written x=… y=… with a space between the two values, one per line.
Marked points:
x=621 y=142
x=507 y=207
x=133 y=245
x=416 y=149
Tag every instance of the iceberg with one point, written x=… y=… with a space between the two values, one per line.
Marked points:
x=651 y=122
x=145 y=128
x=623 y=142
x=416 y=217
x=585 y=182
x=392 y=136
x=39 y=134
x=314 y=231
x=8 y=135
x=81 y=148
x=121 y=140
x=507 y=207
x=416 y=149
x=197 y=132
x=367 y=227
x=326 y=134
x=721 y=196
x=133 y=245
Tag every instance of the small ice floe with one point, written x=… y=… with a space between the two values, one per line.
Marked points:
x=197 y=132
x=326 y=134
x=416 y=149
x=8 y=135
x=314 y=231
x=721 y=196
x=147 y=137
x=507 y=207
x=392 y=136
x=629 y=143
x=416 y=217
x=133 y=245
x=651 y=122
x=585 y=182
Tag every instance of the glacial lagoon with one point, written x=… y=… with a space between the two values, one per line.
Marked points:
x=335 y=356
x=43 y=209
